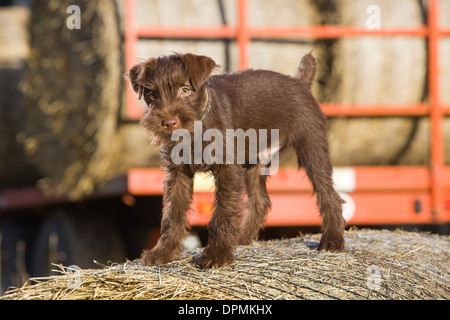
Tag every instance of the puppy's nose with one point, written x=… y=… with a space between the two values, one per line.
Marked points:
x=170 y=124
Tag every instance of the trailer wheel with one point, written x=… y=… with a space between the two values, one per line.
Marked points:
x=15 y=239
x=76 y=239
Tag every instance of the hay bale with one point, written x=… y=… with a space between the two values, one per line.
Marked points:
x=14 y=169
x=13 y=35
x=73 y=91
x=374 y=70
x=376 y=265
x=444 y=12
x=418 y=152
x=280 y=56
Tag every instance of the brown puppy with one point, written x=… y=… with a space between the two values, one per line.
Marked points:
x=184 y=102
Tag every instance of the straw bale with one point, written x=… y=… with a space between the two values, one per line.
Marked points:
x=374 y=70
x=73 y=91
x=376 y=265
x=14 y=169
x=283 y=57
x=280 y=56
x=13 y=35
x=418 y=152
x=444 y=13
x=445 y=74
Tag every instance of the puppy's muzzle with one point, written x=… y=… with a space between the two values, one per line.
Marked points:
x=170 y=124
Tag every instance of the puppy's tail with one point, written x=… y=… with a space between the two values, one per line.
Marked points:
x=307 y=69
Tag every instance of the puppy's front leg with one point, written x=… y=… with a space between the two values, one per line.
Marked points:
x=178 y=191
x=223 y=227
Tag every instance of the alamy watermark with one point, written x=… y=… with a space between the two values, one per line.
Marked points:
x=74 y=20
x=374 y=20
x=74 y=279
x=255 y=151
x=376 y=276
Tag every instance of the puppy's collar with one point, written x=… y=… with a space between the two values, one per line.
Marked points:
x=208 y=104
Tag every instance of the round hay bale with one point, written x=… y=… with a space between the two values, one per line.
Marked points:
x=73 y=91
x=14 y=169
x=418 y=152
x=374 y=70
x=281 y=56
x=376 y=265
x=444 y=12
x=193 y=13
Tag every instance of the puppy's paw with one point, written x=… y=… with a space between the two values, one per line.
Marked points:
x=157 y=256
x=210 y=259
x=244 y=240
x=332 y=241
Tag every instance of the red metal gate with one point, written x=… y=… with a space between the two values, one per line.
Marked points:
x=379 y=195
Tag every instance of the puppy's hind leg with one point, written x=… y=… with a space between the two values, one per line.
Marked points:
x=313 y=156
x=258 y=204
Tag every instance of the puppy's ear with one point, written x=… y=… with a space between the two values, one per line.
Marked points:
x=138 y=75
x=199 y=68
x=134 y=75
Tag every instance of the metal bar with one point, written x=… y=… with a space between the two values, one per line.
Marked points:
x=356 y=179
x=290 y=180
x=368 y=209
x=131 y=35
x=336 y=109
x=243 y=37
x=27 y=197
x=212 y=32
x=131 y=38
x=147 y=181
x=436 y=116
x=323 y=32
x=31 y=197
x=328 y=32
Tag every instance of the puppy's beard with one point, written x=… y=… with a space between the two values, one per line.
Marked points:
x=160 y=137
x=151 y=121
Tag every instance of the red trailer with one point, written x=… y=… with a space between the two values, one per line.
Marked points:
x=376 y=195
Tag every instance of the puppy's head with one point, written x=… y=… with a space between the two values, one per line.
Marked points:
x=173 y=89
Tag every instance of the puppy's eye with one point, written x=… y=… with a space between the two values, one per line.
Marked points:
x=149 y=94
x=185 y=91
